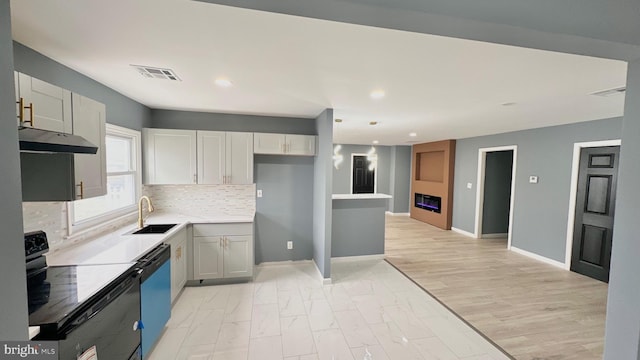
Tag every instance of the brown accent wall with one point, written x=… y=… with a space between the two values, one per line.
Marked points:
x=432 y=174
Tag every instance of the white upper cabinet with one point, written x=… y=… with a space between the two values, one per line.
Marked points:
x=225 y=157
x=198 y=157
x=90 y=170
x=239 y=158
x=43 y=105
x=264 y=143
x=170 y=156
x=284 y=144
x=301 y=145
x=211 y=157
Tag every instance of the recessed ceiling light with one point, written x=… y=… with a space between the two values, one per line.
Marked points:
x=413 y=134
x=377 y=94
x=338 y=120
x=373 y=123
x=223 y=82
x=376 y=141
x=508 y=104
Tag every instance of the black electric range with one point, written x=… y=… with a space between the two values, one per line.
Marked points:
x=56 y=293
x=83 y=306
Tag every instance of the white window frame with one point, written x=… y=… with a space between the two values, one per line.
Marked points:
x=114 y=215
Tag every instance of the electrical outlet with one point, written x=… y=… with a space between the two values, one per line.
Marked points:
x=259 y=193
x=290 y=245
x=469 y=185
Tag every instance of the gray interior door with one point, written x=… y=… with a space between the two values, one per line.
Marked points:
x=595 y=206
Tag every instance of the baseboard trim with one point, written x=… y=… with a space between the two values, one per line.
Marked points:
x=396 y=214
x=342 y=259
x=538 y=257
x=495 y=236
x=465 y=233
x=284 y=263
x=323 y=280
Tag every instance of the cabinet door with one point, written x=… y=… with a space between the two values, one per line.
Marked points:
x=211 y=157
x=301 y=145
x=239 y=158
x=91 y=170
x=207 y=257
x=178 y=244
x=170 y=156
x=264 y=143
x=51 y=108
x=238 y=256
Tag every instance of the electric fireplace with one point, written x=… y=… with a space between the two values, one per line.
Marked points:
x=428 y=202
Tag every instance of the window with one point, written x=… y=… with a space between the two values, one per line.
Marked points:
x=123 y=182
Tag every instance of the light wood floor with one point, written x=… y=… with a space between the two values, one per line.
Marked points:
x=531 y=309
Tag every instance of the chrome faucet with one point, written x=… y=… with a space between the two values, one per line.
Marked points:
x=149 y=208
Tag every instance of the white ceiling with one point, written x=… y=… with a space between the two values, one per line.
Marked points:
x=438 y=87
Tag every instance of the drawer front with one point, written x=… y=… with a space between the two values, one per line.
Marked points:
x=222 y=229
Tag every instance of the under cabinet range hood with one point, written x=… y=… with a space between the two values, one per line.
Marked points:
x=38 y=140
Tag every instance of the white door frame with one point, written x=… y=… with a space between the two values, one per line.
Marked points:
x=573 y=194
x=375 y=175
x=482 y=159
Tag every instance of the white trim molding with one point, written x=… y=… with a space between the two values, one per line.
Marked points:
x=323 y=280
x=463 y=232
x=343 y=259
x=482 y=157
x=573 y=193
x=537 y=257
x=396 y=214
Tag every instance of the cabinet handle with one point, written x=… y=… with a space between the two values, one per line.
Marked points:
x=195 y=178
x=31 y=108
x=284 y=148
x=178 y=253
x=81 y=185
x=20 y=110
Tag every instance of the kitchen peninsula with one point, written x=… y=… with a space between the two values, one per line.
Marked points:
x=358 y=224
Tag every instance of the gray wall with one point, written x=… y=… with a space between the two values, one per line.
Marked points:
x=497 y=192
x=120 y=109
x=322 y=191
x=622 y=334
x=190 y=120
x=400 y=183
x=13 y=302
x=284 y=212
x=342 y=176
x=540 y=210
x=357 y=227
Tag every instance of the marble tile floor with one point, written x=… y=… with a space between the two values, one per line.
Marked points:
x=369 y=312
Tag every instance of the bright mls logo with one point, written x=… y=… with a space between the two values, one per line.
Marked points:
x=32 y=350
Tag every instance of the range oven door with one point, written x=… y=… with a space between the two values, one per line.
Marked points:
x=110 y=324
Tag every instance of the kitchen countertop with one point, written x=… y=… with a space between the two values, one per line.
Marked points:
x=359 y=196
x=120 y=246
x=33 y=331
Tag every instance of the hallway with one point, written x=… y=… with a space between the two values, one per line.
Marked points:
x=530 y=309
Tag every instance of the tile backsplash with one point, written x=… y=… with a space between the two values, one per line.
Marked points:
x=203 y=199
x=51 y=217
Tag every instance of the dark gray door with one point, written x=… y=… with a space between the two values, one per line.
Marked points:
x=595 y=205
x=363 y=178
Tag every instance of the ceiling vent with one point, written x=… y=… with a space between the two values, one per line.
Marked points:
x=156 y=73
x=611 y=92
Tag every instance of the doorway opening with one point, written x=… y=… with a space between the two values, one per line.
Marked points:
x=495 y=193
x=363 y=177
x=591 y=208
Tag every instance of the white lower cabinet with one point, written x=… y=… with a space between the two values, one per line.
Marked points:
x=178 y=244
x=222 y=251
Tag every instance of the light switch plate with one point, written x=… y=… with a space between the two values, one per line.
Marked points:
x=533 y=179
x=290 y=245
x=469 y=185
x=259 y=193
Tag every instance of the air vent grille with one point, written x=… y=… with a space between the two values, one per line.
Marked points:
x=610 y=92
x=156 y=73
